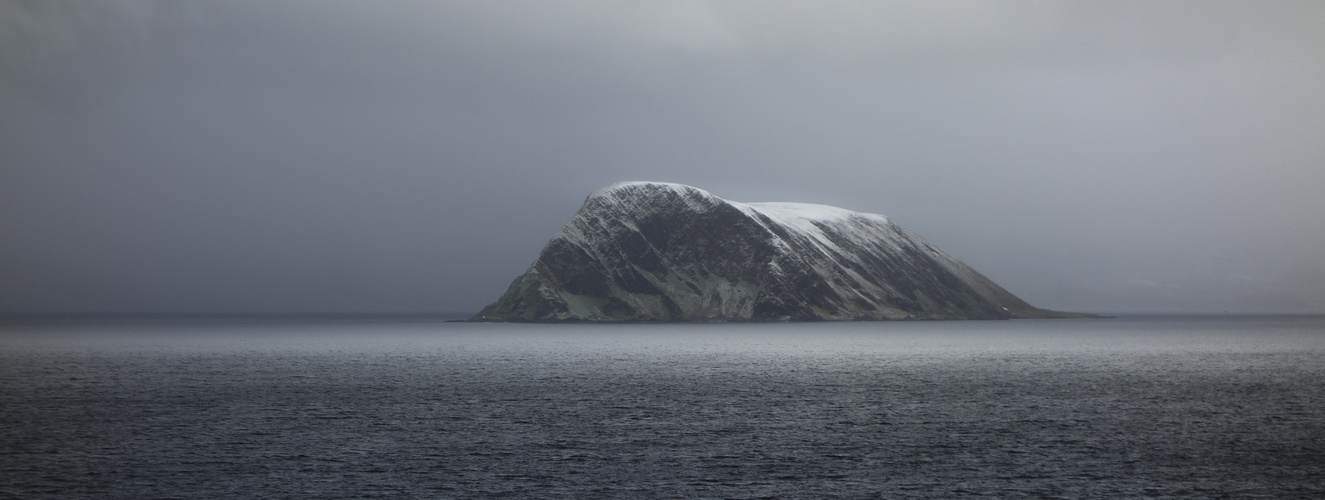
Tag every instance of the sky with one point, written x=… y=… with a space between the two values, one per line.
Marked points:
x=414 y=156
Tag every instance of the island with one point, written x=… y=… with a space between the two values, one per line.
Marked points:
x=663 y=252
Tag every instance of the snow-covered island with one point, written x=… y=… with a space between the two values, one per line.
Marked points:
x=653 y=251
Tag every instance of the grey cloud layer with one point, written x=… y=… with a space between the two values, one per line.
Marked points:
x=355 y=156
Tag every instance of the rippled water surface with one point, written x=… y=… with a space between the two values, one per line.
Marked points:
x=1106 y=408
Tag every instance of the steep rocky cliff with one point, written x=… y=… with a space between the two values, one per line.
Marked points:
x=648 y=251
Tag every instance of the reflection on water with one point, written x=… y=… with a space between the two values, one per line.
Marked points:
x=1128 y=407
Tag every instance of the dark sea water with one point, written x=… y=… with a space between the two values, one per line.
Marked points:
x=1158 y=407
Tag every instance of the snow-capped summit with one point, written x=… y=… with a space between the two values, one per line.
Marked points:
x=654 y=251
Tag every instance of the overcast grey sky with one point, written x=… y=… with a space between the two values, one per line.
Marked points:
x=327 y=156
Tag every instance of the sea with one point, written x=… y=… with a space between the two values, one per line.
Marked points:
x=1124 y=407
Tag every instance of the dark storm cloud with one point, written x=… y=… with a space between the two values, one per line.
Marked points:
x=367 y=156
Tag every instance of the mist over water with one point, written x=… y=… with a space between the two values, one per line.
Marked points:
x=1125 y=407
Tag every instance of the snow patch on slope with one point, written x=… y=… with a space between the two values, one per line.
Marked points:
x=808 y=212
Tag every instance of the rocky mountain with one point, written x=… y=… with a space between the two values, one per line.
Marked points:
x=649 y=251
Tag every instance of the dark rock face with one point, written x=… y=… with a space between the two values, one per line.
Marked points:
x=646 y=251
